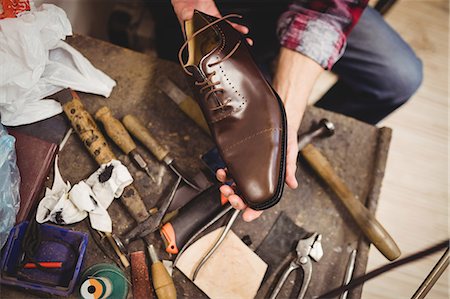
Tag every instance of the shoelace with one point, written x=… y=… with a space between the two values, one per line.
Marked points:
x=207 y=84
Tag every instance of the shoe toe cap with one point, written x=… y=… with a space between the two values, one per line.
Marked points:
x=257 y=170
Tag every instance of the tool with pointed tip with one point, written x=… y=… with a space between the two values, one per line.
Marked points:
x=120 y=136
x=152 y=223
x=139 y=131
x=162 y=282
x=217 y=243
x=349 y=272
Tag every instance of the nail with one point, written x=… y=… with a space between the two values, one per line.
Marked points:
x=234 y=203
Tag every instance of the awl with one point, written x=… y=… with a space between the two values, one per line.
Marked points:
x=120 y=136
x=138 y=130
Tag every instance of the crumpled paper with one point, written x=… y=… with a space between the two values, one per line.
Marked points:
x=36 y=63
x=63 y=204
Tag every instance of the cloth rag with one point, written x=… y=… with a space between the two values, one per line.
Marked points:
x=63 y=204
x=35 y=63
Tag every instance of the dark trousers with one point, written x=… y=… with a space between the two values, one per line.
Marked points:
x=377 y=74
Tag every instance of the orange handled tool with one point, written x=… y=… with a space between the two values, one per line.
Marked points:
x=192 y=217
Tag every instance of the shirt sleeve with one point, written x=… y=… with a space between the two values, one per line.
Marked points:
x=318 y=28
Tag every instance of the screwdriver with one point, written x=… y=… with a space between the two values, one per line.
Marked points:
x=162 y=281
x=120 y=136
x=138 y=130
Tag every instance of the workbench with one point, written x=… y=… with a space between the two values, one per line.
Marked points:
x=357 y=151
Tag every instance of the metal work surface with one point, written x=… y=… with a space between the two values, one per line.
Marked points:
x=357 y=151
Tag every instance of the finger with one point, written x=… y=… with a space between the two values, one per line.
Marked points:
x=291 y=167
x=241 y=28
x=226 y=190
x=184 y=10
x=221 y=175
x=236 y=202
x=249 y=41
x=250 y=214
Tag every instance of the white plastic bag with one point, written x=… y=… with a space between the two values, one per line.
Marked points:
x=35 y=63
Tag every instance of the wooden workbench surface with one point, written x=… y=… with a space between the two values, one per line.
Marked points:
x=357 y=151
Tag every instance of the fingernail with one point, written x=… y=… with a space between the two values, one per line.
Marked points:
x=225 y=191
x=234 y=203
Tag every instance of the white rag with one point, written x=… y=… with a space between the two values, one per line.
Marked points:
x=64 y=205
x=36 y=63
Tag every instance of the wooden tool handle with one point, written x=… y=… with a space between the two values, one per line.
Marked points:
x=373 y=230
x=192 y=109
x=95 y=142
x=138 y=130
x=162 y=282
x=88 y=131
x=134 y=203
x=116 y=249
x=115 y=130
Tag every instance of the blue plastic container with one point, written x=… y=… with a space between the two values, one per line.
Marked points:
x=60 y=283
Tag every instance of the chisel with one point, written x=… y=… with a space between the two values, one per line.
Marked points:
x=162 y=281
x=138 y=130
x=117 y=132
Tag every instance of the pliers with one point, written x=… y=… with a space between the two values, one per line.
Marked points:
x=307 y=249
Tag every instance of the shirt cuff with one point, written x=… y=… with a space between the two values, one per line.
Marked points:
x=314 y=35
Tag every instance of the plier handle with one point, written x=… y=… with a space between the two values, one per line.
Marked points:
x=307 y=249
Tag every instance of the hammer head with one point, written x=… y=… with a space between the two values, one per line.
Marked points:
x=328 y=127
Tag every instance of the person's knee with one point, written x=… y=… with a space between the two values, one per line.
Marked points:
x=403 y=77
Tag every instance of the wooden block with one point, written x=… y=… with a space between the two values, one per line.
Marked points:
x=141 y=281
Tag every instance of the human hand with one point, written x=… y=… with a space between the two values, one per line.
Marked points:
x=237 y=203
x=184 y=9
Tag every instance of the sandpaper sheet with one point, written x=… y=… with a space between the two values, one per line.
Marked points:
x=233 y=271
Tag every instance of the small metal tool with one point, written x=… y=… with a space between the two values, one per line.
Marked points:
x=325 y=128
x=139 y=131
x=153 y=222
x=162 y=281
x=218 y=242
x=307 y=249
x=198 y=233
x=117 y=132
x=349 y=272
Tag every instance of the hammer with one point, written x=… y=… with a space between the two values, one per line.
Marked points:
x=367 y=222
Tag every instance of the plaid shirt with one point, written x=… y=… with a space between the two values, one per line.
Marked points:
x=319 y=28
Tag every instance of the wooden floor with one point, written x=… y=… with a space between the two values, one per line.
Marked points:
x=414 y=202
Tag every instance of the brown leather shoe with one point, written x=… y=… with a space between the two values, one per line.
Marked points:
x=245 y=115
